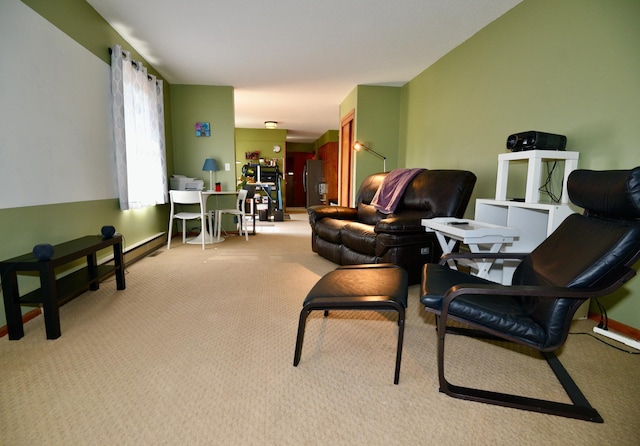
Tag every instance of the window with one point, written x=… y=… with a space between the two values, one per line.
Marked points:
x=138 y=112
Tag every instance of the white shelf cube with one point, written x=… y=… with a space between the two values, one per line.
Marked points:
x=535 y=159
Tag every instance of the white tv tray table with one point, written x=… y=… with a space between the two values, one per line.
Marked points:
x=479 y=236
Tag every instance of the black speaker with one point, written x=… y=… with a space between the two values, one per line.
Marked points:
x=108 y=231
x=533 y=140
x=43 y=251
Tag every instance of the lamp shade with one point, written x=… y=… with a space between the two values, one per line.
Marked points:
x=210 y=165
x=357 y=146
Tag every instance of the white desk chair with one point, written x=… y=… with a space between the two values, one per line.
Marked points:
x=239 y=212
x=186 y=197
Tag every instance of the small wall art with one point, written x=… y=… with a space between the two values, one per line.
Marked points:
x=203 y=129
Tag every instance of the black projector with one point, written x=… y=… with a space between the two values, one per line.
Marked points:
x=533 y=140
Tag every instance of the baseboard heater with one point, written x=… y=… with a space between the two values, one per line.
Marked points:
x=617 y=337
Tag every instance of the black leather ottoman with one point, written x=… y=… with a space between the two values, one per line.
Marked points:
x=379 y=287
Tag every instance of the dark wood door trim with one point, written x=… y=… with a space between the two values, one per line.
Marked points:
x=345 y=185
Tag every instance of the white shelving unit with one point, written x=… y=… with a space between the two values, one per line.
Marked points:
x=534 y=158
x=535 y=220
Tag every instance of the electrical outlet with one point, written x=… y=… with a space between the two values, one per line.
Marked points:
x=227 y=167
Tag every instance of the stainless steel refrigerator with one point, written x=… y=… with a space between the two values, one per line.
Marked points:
x=312 y=182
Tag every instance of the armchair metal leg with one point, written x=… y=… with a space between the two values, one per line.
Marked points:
x=580 y=409
x=300 y=337
x=396 y=377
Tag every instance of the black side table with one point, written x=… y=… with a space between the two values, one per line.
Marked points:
x=53 y=290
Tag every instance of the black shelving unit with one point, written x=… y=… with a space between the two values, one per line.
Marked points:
x=267 y=182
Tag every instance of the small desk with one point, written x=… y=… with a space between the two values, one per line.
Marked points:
x=53 y=290
x=479 y=236
x=197 y=240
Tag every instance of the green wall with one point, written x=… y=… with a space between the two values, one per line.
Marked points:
x=301 y=147
x=212 y=104
x=260 y=140
x=327 y=137
x=377 y=124
x=569 y=67
x=578 y=77
x=263 y=141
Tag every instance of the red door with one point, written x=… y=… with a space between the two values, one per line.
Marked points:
x=296 y=196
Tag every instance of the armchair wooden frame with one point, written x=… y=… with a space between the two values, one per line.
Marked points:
x=581 y=408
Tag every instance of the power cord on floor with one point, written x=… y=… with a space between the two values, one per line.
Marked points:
x=604 y=319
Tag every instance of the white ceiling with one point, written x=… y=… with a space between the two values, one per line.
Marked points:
x=295 y=61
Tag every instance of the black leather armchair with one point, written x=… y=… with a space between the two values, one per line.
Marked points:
x=362 y=235
x=587 y=256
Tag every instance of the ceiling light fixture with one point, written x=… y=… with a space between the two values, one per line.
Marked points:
x=270 y=124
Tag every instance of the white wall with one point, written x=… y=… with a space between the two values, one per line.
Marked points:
x=55 y=125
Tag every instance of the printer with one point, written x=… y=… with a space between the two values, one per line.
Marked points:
x=181 y=182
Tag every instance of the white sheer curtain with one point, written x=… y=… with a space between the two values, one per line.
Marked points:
x=138 y=112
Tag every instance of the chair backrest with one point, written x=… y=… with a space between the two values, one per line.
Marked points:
x=241 y=202
x=595 y=250
x=186 y=196
x=431 y=193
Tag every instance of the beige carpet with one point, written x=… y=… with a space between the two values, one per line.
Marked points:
x=198 y=350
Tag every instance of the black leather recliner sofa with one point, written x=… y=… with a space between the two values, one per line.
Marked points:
x=361 y=235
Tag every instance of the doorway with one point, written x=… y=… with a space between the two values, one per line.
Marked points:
x=296 y=196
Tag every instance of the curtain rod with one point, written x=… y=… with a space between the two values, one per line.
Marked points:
x=134 y=63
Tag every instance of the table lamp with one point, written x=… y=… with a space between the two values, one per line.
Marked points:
x=210 y=166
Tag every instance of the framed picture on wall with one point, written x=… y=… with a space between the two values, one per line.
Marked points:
x=203 y=129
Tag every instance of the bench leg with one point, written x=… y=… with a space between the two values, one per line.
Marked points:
x=400 y=310
x=303 y=320
x=300 y=337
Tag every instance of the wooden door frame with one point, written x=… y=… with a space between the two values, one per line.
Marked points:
x=345 y=185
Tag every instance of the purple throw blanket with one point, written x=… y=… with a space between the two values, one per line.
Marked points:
x=390 y=192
